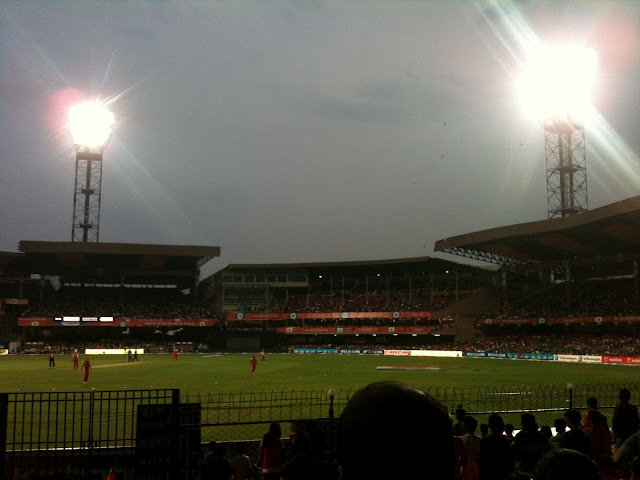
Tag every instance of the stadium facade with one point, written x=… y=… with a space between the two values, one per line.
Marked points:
x=578 y=270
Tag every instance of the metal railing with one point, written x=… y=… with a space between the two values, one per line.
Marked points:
x=76 y=420
x=245 y=416
x=85 y=420
x=546 y=402
x=92 y=423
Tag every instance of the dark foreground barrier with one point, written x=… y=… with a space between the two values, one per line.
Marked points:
x=158 y=433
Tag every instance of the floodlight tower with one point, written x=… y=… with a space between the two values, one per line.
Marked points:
x=555 y=88
x=90 y=125
x=566 y=167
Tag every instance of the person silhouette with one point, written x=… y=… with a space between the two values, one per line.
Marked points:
x=392 y=430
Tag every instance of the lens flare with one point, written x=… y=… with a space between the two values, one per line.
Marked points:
x=90 y=124
x=558 y=81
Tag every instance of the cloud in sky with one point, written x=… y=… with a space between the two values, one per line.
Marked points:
x=301 y=131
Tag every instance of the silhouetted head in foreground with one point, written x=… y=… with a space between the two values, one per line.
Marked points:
x=391 y=430
x=563 y=464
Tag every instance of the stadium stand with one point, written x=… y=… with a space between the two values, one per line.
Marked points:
x=569 y=343
x=577 y=270
x=104 y=291
x=347 y=298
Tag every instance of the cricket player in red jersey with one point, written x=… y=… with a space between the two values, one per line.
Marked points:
x=263 y=358
x=75 y=360
x=86 y=366
x=175 y=353
x=253 y=364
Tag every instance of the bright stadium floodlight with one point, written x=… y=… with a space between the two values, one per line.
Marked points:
x=558 y=81
x=90 y=125
x=555 y=88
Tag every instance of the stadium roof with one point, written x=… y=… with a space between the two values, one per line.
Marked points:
x=108 y=261
x=610 y=230
x=415 y=262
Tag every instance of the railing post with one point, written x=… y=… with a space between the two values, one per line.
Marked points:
x=175 y=433
x=332 y=394
x=91 y=419
x=570 y=387
x=4 y=420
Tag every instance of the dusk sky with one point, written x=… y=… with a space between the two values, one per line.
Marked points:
x=302 y=131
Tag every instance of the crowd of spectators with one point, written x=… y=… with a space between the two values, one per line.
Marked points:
x=575 y=448
x=61 y=347
x=392 y=430
x=436 y=324
x=577 y=344
x=359 y=300
x=614 y=345
x=595 y=344
x=588 y=299
x=380 y=343
x=366 y=322
x=138 y=303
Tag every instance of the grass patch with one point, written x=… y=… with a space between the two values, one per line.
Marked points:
x=206 y=374
x=238 y=405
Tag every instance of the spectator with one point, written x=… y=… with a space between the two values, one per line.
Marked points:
x=220 y=465
x=560 y=424
x=625 y=418
x=457 y=422
x=546 y=432
x=460 y=456
x=299 y=438
x=627 y=451
x=315 y=463
x=575 y=439
x=391 y=430
x=241 y=463
x=472 y=447
x=565 y=464
x=495 y=461
x=508 y=431
x=528 y=445
x=272 y=453
x=600 y=437
x=213 y=465
x=592 y=406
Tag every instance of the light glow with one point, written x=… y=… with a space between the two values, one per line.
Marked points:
x=90 y=124
x=557 y=82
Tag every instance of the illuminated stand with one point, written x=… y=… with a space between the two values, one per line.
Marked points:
x=90 y=125
x=556 y=88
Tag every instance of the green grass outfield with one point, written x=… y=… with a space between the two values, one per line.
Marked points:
x=274 y=392
x=201 y=373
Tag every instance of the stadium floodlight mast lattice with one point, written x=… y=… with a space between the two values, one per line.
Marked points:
x=90 y=125
x=555 y=88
